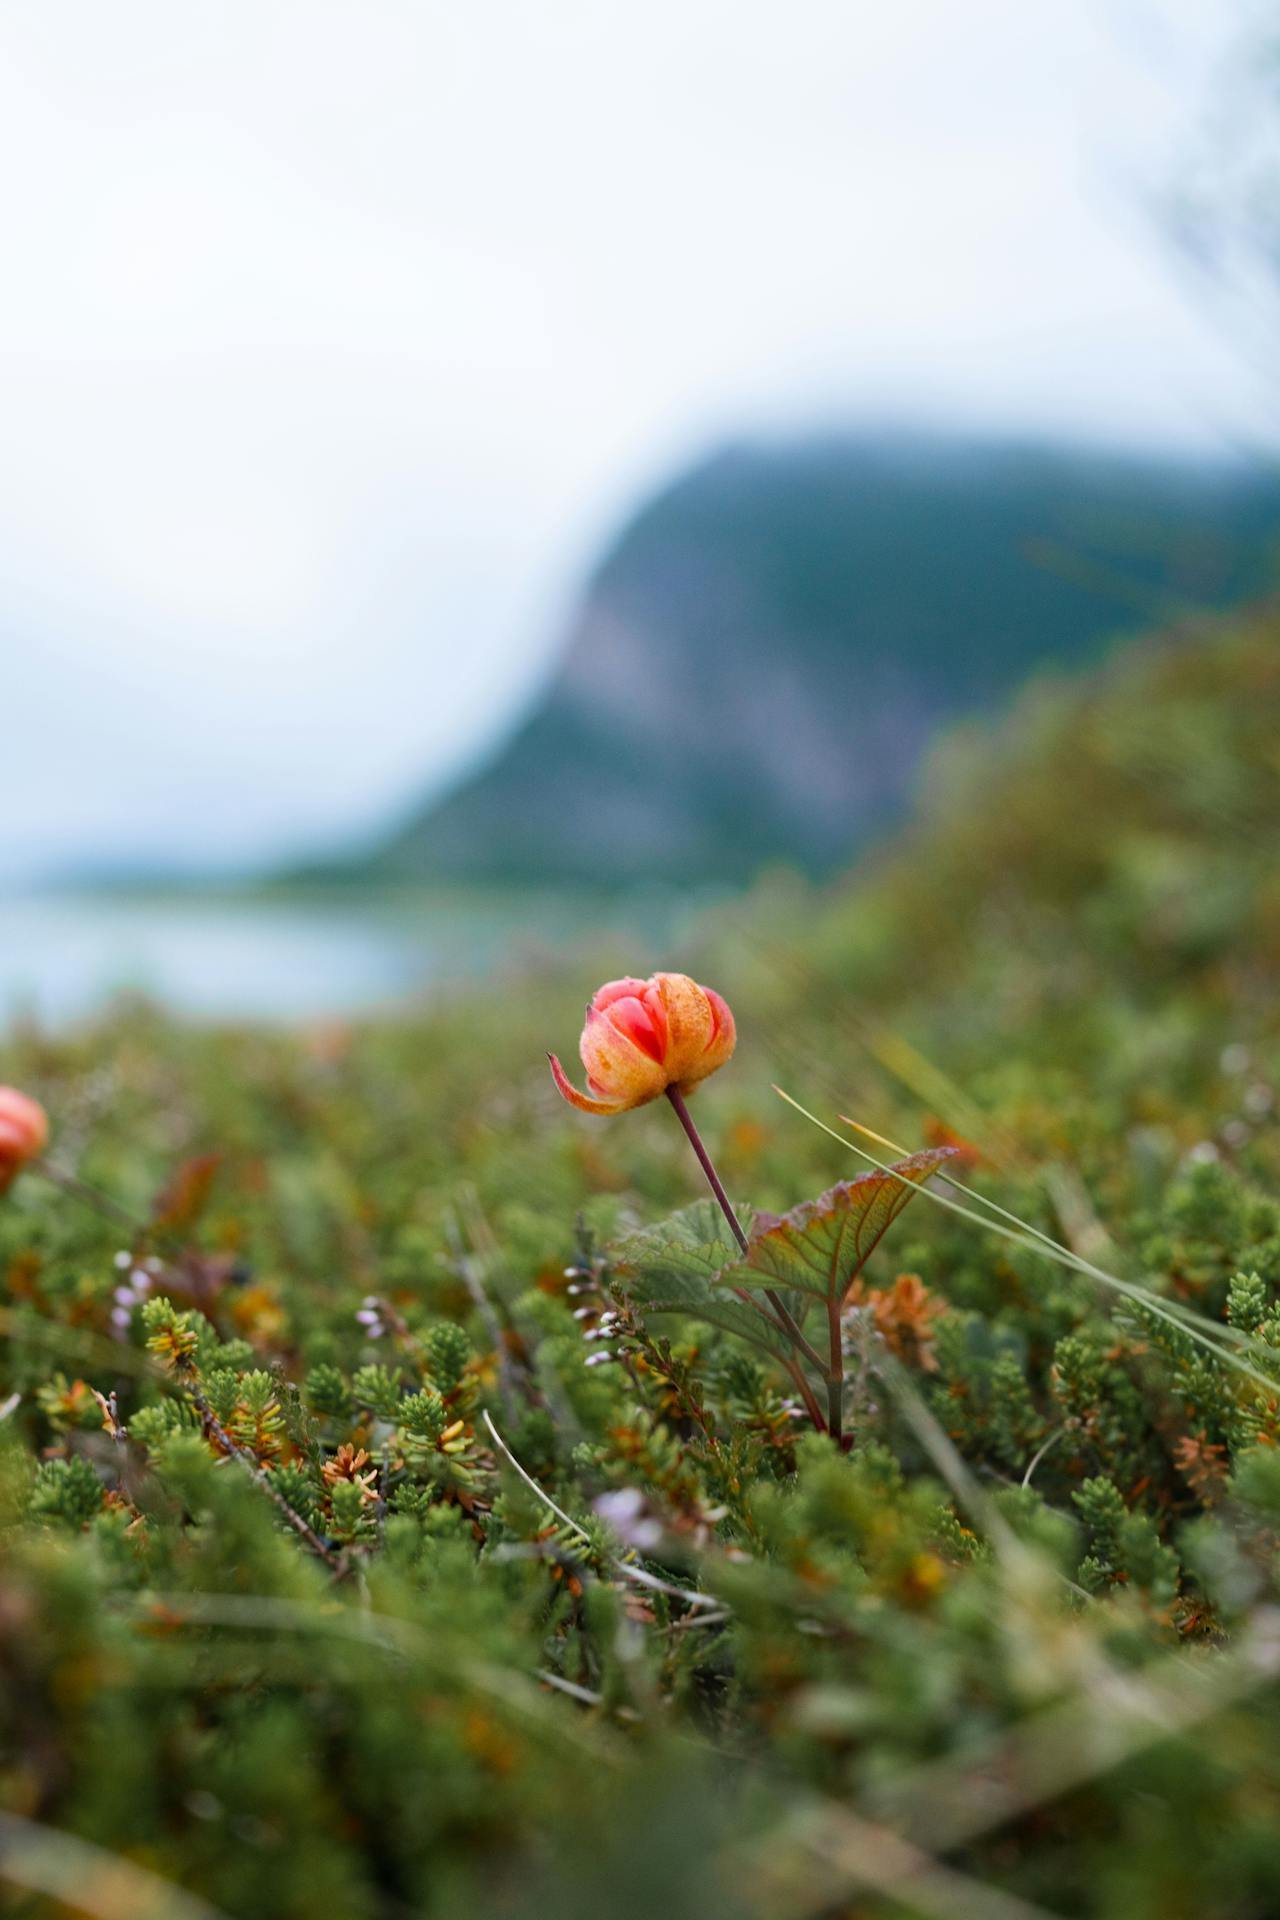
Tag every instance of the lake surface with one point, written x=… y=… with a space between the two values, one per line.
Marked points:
x=63 y=957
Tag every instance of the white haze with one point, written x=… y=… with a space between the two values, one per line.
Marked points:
x=335 y=339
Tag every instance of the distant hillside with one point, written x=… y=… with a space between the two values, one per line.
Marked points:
x=762 y=657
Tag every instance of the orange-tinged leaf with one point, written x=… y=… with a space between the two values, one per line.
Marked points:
x=181 y=1202
x=821 y=1246
x=939 y=1134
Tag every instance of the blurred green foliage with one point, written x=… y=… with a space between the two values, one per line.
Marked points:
x=283 y=1625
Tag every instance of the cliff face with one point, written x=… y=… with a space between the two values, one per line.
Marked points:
x=764 y=655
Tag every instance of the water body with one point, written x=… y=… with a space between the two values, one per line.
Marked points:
x=63 y=957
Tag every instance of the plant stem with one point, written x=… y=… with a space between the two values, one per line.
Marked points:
x=786 y=1320
x=89 y=1196
x=835 y=1374
x=788 y=1324
x=685 y=1118
x=811 y=1406
x=256 y=1471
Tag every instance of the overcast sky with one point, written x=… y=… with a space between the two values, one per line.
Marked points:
x=334 y=339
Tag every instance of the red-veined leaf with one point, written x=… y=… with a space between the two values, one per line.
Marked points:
x=821 y=1246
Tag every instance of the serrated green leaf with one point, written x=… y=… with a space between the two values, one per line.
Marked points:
x=675 y=1267
x=717 y=1308
x=820 y=1247
x=697 y=1233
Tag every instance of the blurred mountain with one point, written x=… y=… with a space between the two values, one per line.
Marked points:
x=763 y=656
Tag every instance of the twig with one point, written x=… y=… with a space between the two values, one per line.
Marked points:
x=338 y=1563
x=699 y=1620
x=78 y=1189
x=643 y=1578
x=638 y=1575
x=584 y=1695
x=111 y=1420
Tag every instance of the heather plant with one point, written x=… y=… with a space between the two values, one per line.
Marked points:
x=416 y=1498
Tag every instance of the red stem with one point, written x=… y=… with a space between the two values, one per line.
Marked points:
x=835 y=1376
x=786 y=1321
x=807 y=1394
x=685 y=1118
